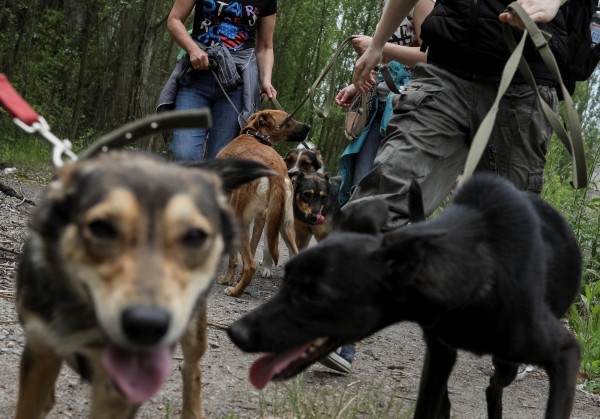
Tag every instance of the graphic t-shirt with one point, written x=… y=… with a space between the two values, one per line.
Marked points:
x=230 y=23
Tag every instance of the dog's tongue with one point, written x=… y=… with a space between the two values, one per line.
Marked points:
x=268 y=366
x=138 y=374
x=320 y=219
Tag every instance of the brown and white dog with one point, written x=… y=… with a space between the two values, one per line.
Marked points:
x=115 y=271
x=303 y=160
x=266 y=201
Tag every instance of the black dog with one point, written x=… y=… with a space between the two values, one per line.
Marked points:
x=491 y=275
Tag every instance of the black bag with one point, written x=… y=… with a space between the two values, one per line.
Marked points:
x=583 y=55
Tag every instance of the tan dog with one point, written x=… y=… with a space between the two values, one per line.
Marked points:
x=115 y=271
x=264 y=201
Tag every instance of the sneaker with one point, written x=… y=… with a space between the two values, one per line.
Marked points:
x=341 y=359
x=523 y=370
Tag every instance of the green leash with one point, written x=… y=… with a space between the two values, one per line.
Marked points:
x=573 y=143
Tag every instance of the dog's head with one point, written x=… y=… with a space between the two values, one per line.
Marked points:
x=303 y=160
x=136 y=242
x=311 y=193
x=277 y=126
x=345 y=288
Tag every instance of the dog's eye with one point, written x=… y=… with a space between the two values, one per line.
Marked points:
x=194 y=237
x=308 y=194
x=102 y=229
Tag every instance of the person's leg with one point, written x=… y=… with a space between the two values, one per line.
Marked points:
x=366 y=156
x=195 y=91
x=427 y=140
x=519 y=142
x=225 y=126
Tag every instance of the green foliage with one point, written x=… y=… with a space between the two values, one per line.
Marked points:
x=582 y=209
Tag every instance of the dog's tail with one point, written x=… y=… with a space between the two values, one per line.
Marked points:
x=415 y=203
x=275 y=215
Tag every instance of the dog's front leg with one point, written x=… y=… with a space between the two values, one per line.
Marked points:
x=433 y=401
x=39 y=370
x=193 y=346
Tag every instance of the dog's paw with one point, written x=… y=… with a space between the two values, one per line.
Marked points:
x=266 y=272
x=232 y=292
x=223 y=280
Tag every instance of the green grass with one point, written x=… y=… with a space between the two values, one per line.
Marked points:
x=295 y=399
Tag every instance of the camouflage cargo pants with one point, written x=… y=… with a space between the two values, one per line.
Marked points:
x=430 y=131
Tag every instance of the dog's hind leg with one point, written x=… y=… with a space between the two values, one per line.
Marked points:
x=248 y=268
x=39 y=370
x=231 y=267
x=563 y=370
x=107 y=402
x=504 y=374
x=433 y=400
x=193 y=346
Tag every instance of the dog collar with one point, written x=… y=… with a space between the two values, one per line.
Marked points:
x=259 y=136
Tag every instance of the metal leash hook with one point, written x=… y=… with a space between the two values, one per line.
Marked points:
x=29 y=121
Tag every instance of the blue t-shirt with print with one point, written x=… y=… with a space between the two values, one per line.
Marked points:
x=230 y=23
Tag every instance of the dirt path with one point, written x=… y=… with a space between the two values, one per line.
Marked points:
x=387 y=365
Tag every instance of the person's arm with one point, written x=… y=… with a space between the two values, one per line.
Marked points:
x=176 y=25
x=540 y=11
x=264 y=54
x=394 y=13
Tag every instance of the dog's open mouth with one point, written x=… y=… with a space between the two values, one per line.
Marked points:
x=138 y=374
x=286 y=364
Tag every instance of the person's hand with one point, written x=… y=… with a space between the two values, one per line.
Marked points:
x=540 y=11
x=269 y=90
x=362 y=77
x=345 y=96
x=199 y=59
x=360 y=43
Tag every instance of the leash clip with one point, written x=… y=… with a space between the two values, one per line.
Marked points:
x=59 y=147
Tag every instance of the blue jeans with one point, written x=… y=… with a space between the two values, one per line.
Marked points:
x=365 y=157
x=199 y=89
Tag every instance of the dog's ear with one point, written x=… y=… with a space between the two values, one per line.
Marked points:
x=404 y=251
x=233 y=172
x=368 y=217
x=416 y=208
x=320 y=163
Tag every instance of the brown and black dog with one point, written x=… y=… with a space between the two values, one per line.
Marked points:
x=266 y=201
x=119 y=260
x=303 y=160
x=317 y=211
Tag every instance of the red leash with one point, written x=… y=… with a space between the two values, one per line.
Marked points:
x=29 y=121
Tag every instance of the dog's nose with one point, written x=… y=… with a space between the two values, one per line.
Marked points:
x=241 y=335
x=293 y=172
x=145 y=325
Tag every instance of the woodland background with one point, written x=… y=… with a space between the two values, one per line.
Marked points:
x=90 y=67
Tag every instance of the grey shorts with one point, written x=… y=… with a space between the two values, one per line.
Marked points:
x=430 y=131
